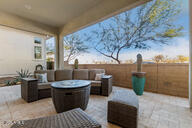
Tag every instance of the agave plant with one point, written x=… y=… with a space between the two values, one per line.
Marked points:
x=12 y=82
x=23 y=74
x=8 y=83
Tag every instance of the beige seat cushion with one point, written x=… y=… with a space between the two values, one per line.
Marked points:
x=50 y=74
x=65 y=74
x=80 y=74
x=44 y=85
x=93 y=72
x=95 y=83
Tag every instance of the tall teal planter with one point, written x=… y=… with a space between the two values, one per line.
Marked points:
x=138 y=83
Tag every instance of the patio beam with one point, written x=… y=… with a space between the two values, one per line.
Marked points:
x=104 y=10
x=190 y=56
x=20 y=23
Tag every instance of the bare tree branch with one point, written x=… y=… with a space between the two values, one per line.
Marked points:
x=152 y=22
x=73 y=47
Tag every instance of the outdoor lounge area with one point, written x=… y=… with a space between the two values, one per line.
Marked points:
x=95 y=64
x=156 y=110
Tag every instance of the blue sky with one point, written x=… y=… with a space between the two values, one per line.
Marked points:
x=178 y=46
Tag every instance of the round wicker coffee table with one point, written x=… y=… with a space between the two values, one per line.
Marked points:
x=70 y=94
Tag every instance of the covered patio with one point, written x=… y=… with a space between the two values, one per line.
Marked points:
x=59 y=18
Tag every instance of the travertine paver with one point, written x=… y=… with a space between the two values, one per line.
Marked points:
x=156 y=110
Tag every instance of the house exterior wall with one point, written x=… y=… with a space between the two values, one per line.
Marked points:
x=17 y=51
x=171 y=79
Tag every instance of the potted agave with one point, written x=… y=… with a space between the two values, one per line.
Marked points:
x=138 y=77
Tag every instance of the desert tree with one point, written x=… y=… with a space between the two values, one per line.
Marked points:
x=147 y=25
x=182 y=58
x=73 y=47
x=159 y=58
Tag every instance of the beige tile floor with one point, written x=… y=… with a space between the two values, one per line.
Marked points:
x=156 y=110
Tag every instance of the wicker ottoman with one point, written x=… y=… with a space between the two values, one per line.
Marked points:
x=75 y=118
x=123 y=109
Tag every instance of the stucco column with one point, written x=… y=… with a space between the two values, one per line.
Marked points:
x=56 y=52
x=59 y=52
x=190 y=56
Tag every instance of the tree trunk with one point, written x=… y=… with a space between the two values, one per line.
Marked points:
x=118 y=61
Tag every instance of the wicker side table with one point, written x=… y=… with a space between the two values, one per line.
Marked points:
x=29 y=89
x=106 y=87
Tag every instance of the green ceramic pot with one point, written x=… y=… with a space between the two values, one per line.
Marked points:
x=138 y=82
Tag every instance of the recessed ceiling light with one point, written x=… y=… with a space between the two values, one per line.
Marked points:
x=28 y=7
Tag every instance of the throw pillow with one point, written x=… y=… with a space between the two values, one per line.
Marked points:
x=42 y=78
x=99 y=76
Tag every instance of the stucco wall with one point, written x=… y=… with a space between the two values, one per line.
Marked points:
x=17 y=51
x=171 y=79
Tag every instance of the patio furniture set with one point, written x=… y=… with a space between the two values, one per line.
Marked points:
x=31 y=90
x=70 y=90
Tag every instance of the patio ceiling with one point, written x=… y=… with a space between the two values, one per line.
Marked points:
x=55 y=13
x=60 y=16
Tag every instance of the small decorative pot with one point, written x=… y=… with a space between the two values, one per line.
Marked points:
x=50 y=65
x=138 y=82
